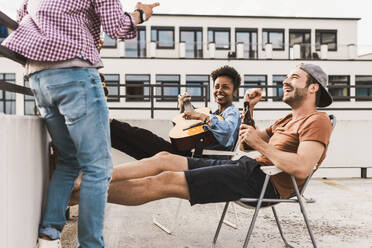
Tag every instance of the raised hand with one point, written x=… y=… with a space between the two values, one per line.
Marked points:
x=253 y=96
x=181 y=98
x=147 y=8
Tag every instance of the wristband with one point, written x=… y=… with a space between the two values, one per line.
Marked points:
x=206 y=120
x=142 y=15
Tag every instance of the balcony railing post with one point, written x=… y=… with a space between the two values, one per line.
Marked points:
x=152 y=49
x=324 y=51
x=182 y=50
x=152 y=100
x=206 y=95
x=351 y=51
x=296 y=51
x=121 y=45
x=269 y=51
x=212 y=50
x=240 y=50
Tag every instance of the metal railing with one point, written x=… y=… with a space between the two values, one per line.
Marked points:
x=4 y=85
x=153 y=97
x=4 y=51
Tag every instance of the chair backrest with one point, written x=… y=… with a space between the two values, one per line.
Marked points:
x=333 y=122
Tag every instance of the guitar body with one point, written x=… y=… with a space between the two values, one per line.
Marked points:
x=187 y=133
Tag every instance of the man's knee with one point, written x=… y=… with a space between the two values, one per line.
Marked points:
x=162 y=154
x=164 y=177
x=164 y=158
x=171 y=162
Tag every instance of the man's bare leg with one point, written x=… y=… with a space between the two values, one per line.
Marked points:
x=163 y=161
x=139 y=191
x=145 y=169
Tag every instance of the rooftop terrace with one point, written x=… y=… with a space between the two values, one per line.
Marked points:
x=340 y=218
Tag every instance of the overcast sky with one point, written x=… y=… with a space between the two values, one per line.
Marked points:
x=308 y=8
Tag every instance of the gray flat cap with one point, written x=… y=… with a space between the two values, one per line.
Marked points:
x=322 y=78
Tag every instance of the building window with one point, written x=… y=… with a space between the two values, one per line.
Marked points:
x=168 y=93
x=193 y=38
x=339 y=87
x=278 y=87
x=137 y=47
x=135 y=87
x=30 y=107
x=256 y=81
x=109 y=43
x=249 y=40
x=274 y=37
x=302 y=38
x=219 y=36
x=163 y=36
x=198 y=93
x=113 y=86
x=326 y=37
x=363 y=85
x=7 y=99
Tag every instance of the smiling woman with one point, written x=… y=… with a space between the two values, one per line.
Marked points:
x=141 y=143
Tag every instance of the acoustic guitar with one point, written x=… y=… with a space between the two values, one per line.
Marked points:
x=187 y=133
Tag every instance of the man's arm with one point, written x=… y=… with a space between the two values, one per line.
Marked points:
x=298 y=164
x=119 y=24
x=253 y=96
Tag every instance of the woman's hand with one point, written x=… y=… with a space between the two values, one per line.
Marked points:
x=195 y=116
x=181 y=98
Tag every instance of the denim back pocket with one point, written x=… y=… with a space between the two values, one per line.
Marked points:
x=71 y=100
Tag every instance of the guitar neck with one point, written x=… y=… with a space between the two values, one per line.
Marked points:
x=187 y=105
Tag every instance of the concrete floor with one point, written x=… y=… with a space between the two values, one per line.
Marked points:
x=341 y=217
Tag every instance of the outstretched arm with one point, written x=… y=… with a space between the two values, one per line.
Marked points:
x=119 y=24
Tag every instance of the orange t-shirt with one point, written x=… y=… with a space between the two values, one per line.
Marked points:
x=286 y=135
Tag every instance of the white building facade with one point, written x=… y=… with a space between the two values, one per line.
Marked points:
x=178 y=52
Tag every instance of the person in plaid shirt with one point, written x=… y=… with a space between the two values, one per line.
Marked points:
x=60 y=39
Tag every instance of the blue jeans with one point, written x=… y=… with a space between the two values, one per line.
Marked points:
x=72 y=102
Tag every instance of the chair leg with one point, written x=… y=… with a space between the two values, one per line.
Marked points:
x=280 y=228
x=220 y=224
x=303 y=211
x=227 y=222
x=250 y=230
x=163 y=227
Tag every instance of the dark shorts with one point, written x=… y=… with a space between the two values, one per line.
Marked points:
x=211 y=180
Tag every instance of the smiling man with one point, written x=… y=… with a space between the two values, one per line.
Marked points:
x=295 y=144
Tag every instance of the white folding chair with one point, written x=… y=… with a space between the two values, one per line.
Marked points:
x=299 y=198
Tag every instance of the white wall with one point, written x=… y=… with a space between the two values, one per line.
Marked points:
x=23 y=179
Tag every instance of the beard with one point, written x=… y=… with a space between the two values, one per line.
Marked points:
x=297 y=99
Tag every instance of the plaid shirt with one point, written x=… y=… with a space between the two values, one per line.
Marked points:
x=57 y=30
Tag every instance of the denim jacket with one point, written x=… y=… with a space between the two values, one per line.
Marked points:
x=225 y=131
